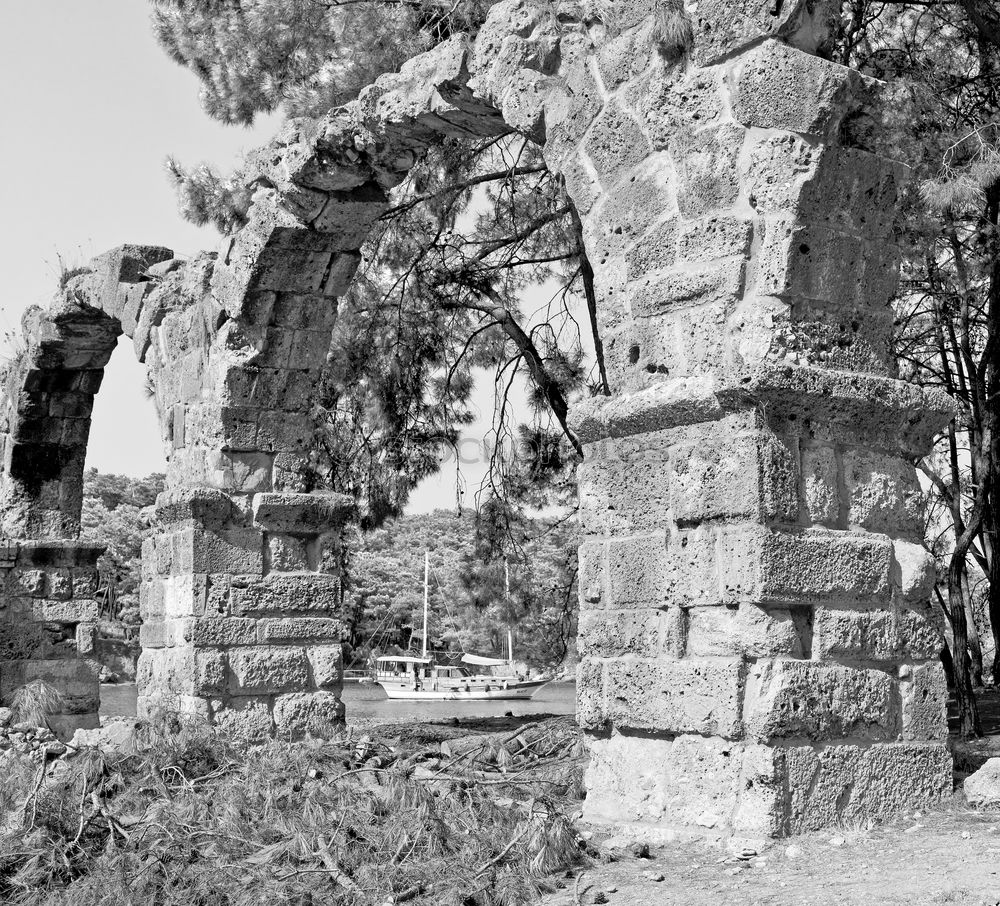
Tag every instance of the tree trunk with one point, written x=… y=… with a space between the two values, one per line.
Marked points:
x=969 y=725
x=975 y=642
x=993 y=602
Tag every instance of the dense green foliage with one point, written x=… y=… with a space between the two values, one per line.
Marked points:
x=470 y=609
x=300 y=56
x=116 y=513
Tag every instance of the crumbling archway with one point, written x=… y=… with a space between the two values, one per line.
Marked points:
x=759 y=653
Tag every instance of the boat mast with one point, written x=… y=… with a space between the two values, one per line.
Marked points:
x=506 y=592
x=427 y=571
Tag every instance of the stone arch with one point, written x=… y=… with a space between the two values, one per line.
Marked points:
x=758 y=649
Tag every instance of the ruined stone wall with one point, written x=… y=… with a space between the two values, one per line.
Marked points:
x=240 y=594
x=759 y=650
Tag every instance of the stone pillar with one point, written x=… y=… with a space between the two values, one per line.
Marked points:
x=760 y=656
x=48 y=625
x=240 y=605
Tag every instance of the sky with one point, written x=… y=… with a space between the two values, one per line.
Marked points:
x=92 y=107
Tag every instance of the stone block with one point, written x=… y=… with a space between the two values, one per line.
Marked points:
x=264 y=670
x=59 y=584
x=719 y=284
x=162 y=633
x=762 y=566
x=282 y=595
x=75 y=677
x=211 y=672
x=615 y=143
x=622 y=632
x=624 y=488
x=640 y=200
x=27 y=582
x=746 y=476
x=86 y=639
x=635 y=571
x=850 y=190
x=286 y=554
x=723 y=28
x=775 y=86
x=293 y=270
x=714 y=238
x=883 y=494
x=624 y=57
x=569 y=114
x=199 y=506
x=299 y=629
x=591 y=578
x=240 y=471
x=692 y=695
x=161 y=671
x=914 y=572
x=849 y=783
x=691 y=576
x=303 y=713
x=811 y=262
x=130 y=304
x=183 y=595
x=748 y=631
x=233 y=551
x=221 y=632
x=925 y=703
x=652 y=252
x=707 y=175
x=686 y=786
x=802 y=700
x=895 y=634
x=244 y=718
x=327 y=663
x=591 y=713
x=69 y=612
x=85 y=582
x=301 y=513
x=348 y=218
x=821 y=485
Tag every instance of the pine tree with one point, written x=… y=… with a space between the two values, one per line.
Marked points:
x=303 y=57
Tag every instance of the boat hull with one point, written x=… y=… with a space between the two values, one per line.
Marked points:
x=521 y=691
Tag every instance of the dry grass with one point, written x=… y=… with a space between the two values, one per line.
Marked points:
x=34 y=702
x=196 y=819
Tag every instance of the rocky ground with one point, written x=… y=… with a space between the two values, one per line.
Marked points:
x=947 y=856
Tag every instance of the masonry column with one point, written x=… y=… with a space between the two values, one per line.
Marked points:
x=240 y=608
x=760 y=656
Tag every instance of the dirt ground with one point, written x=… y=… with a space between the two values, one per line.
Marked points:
x=951 y=856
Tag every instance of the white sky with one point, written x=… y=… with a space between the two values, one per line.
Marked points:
x=92 y=107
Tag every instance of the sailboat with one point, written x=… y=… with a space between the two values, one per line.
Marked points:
x=474 y=679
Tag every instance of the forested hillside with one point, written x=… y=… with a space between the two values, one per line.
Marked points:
x=116 y=513
x=469 y=608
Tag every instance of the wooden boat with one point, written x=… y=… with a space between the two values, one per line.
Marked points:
x=413 y=677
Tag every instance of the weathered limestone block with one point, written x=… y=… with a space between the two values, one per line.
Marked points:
x=747 y=631
x=798 y=700
x=701 y=695
x=763 y=566
x=858 y=783
x=684 y=786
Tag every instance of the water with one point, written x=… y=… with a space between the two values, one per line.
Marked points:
x=367 y=703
